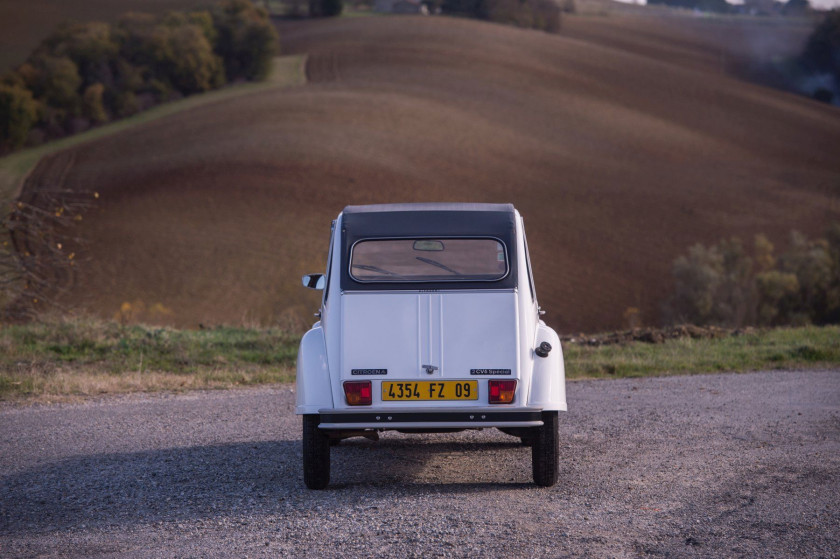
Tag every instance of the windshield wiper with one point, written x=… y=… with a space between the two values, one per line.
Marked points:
x=377 y=270
x=439 y=265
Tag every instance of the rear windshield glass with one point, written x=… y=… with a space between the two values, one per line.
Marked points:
x=427 y=260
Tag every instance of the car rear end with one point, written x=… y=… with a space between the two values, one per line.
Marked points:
x=429 y=322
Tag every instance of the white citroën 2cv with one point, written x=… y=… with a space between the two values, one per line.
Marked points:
x=429 y=322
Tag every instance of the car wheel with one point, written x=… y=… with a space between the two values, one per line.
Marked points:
x=316 y=453
x=545 y=450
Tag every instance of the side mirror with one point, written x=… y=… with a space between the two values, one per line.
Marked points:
x=315 y=281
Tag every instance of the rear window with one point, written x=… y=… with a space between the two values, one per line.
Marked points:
x=428 y=260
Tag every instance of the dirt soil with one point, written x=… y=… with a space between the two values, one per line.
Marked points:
x=703 y=466
x=623 y=141
x=655 y=335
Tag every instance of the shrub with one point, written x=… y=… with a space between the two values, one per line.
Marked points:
x=701 y=5
x=720 y=285
x=18 y=112
x=479 y=9
x=697 y=277
x=92 y=48
x=175 y=51
x=822 y=51
x=125 y=104
x=184 y=55
x=85 y=72
x=777 y=294
x=325 y=8
x=832 y=310
x=796 y=8
x=736 y=293
x=92 y=106
x=821 y=61
x=714 y=285
x=548 y=16
x=810 y=262
x=246 y=39
x=56 y=81
x=545 y=15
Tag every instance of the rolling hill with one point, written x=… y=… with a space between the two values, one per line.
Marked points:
x=622 y=141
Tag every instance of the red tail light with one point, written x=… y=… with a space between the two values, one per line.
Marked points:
x=502 y=391
x=358 y=392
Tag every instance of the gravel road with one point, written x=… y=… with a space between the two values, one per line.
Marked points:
x=701 y=466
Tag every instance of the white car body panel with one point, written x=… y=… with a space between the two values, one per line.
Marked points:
x=401 y=332
x=313 y=373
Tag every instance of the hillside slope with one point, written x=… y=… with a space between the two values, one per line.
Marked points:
x=618 y=159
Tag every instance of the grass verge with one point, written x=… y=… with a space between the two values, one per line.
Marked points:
x=783 y=348
x=60 y=360
x=287 y=71
x=63 y=360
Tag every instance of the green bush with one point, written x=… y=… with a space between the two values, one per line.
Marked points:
x=822 y=51
x=810 y=262
x=56 y=81
x=92 y=106
x=18 y=112
x=95 y=70
x=479 y=9
x=723 y=285
x=183 y=57
x=175 y=51
x=92 y=47
x=544 y=15
x=820 y=61
x=246 y=39
x=702 y=5
x=697 y=277
x=325 y=8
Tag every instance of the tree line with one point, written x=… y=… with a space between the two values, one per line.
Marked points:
x=86 y=74
x=543 y=15
x=725 y=285
x=821 y=60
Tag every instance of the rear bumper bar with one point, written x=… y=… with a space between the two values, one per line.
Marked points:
x=470 y=419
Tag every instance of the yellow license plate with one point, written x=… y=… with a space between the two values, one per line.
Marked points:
x=431 y=390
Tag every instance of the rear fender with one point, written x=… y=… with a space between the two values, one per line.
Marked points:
x=548 y=384
x=314 y=391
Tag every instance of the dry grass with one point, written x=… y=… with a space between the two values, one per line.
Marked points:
x=63 y=361
x=87 y=357
x=69 y=385
x=783 y=348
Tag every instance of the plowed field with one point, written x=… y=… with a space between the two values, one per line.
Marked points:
x=622 y=144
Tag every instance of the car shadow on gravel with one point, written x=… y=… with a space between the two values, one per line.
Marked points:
x=263 y=477
x=417 y=463
x=170 y=484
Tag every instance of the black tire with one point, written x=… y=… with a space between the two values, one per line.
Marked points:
x=316 y=454
x=545 y=450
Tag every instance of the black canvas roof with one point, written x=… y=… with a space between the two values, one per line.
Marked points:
x=409 y=220
x=429 y=220
x=429 y=207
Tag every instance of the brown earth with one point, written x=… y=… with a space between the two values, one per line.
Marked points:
x=622 y=141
